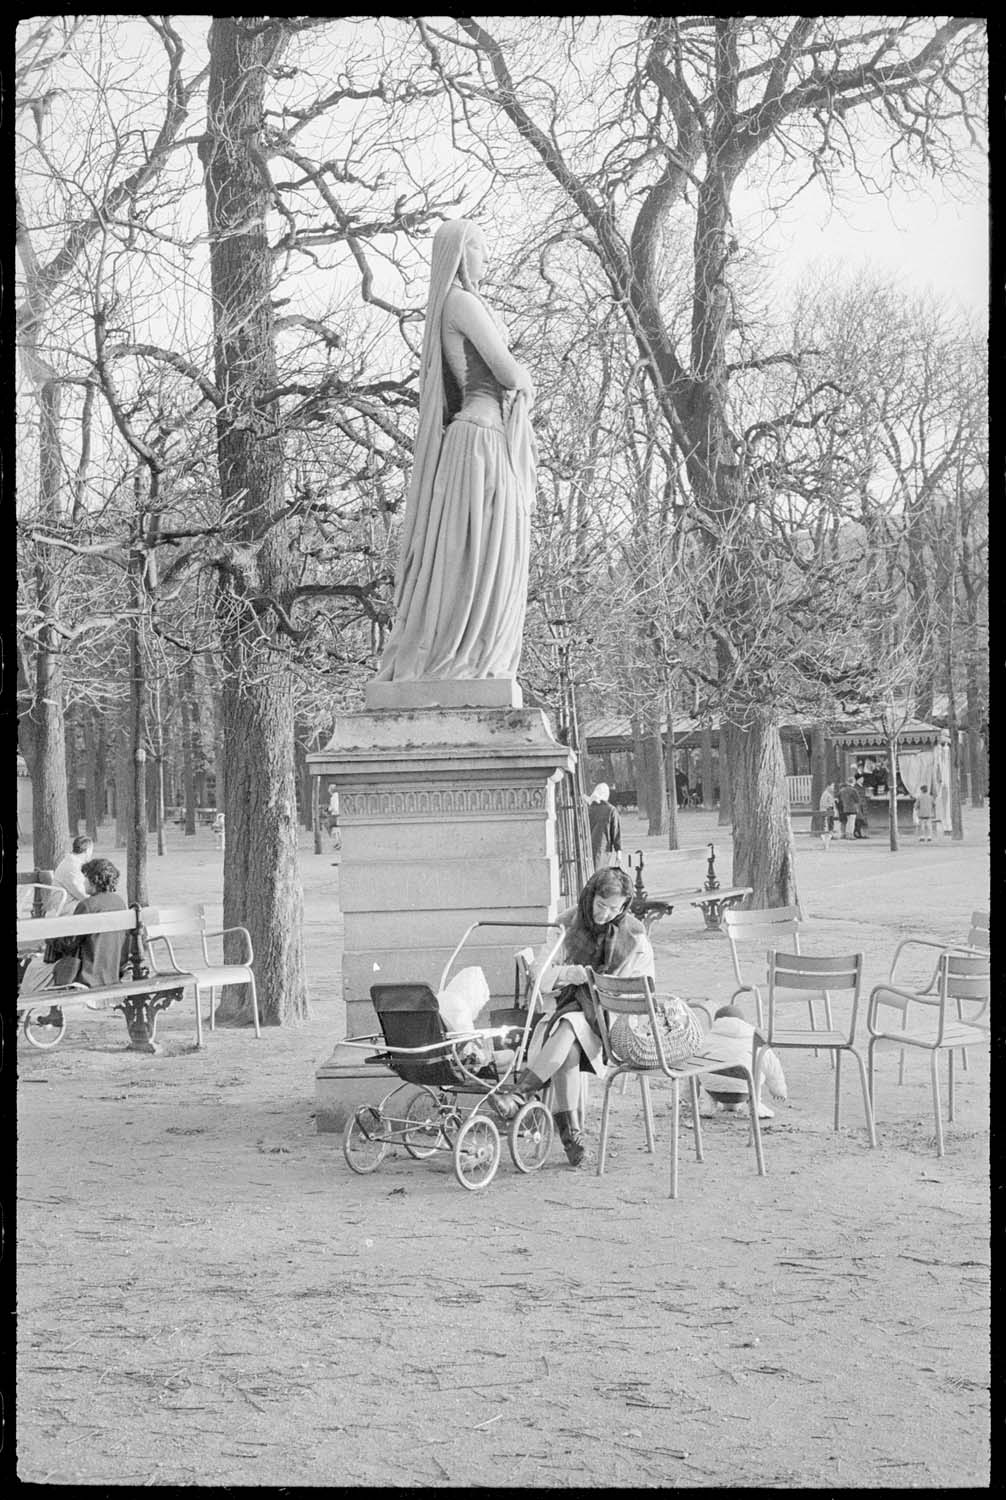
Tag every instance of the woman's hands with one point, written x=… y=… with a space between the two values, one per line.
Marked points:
x=569 y=974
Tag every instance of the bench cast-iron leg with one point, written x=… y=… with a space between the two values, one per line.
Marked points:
x=141 y=1012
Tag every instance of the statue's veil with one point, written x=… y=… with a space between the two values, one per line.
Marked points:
x=446 y=262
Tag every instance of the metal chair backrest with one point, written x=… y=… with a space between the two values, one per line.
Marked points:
x=813 y=973
x=979 y=933
x=40 y=898
x=766 y=926
x=623 y=997
x=174 y=921
x=964 y=976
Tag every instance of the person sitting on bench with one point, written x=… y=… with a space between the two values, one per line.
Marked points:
x=99 y=958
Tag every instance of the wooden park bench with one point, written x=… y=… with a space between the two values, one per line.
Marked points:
x=141 y=997
x=711 y=898
x=157 y=935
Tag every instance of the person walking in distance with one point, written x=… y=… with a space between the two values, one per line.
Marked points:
x=605 y=828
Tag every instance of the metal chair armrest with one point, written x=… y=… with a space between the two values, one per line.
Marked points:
x=175 y=966
x=890 y=989
x=913 y=942
x=224 y=932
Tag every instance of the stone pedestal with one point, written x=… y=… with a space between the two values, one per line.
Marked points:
x=447 y=818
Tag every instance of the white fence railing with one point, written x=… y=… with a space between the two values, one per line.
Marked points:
x=799 y=790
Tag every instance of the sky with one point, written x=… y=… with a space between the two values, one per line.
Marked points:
x=932 y=239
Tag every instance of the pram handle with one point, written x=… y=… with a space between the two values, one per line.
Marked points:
x=496 y=923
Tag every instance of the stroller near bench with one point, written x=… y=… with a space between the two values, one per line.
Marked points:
x=440 y=1073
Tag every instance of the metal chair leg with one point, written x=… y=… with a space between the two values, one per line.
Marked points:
x=756 y=1124
x=964 y=1050
x=869 y=1071
x=901 y=1054
x=694 y=1083
x=254 y=1001
x=838 y=1086
x=934 y=1069
x=602 y=1144
x=644 y=1089
x=674 y=1138
x=871 y=1127
x=950 y=1084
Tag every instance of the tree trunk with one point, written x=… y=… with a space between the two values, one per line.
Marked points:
x=708 y=800
x=43 y=740
x=92 y=732
x=976 y=755
x=123 y=779
x=669 y=782
x=262 y=888
x=72 y=774
x=763 y=842
x=819 y=777
x=892 y=795
x=136 y=848
x=315 y=795
x=656 y=783
x=726 y=815
x=639 y=766
x=190 y=712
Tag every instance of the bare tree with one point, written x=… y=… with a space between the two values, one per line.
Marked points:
x=697 y=102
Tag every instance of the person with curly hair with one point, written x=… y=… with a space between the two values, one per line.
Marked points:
x=98 y=958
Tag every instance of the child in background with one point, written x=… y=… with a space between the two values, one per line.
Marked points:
x=729 y=1040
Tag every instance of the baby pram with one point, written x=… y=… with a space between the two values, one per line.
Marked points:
x=430 y=1108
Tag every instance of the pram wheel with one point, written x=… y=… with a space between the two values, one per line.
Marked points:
x=362 y=1152
x=44 y=1029
x=422 y=1129
x=476 y=1152
x=530 y=1136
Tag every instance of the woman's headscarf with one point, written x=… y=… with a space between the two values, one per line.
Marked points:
x=588 y=943
x=600 y=792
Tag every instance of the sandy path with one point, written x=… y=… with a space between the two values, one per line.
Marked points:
x=208 y=1296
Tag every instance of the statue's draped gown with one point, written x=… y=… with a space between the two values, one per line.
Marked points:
x=463 y=557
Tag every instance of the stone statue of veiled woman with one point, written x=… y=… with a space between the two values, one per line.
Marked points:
x=463 y=555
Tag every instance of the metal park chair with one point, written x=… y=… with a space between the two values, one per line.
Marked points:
x=813 y=975
x=961 y=978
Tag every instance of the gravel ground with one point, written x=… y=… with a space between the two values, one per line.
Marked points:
x=208 y=1296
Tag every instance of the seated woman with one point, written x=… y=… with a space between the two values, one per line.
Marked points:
x=601 y=934
x=97 y=958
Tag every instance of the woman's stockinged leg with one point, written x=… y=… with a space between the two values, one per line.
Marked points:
x=566 y=1082
x=556 y=1053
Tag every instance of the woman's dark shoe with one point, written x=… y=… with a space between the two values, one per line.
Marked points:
x=569 y=1135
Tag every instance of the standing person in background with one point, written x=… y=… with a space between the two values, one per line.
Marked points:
x=333 y=819
x=925 y=807
x=605 y=828
x=845 y=806
x=69 y=872
x=826 y=807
